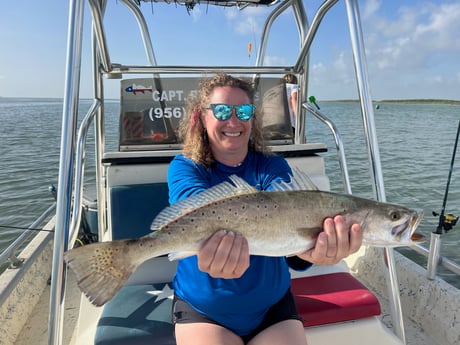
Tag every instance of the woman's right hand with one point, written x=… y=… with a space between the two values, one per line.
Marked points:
x=224 y=255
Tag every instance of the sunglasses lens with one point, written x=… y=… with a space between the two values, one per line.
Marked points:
x=222 y=112
x=245 y=112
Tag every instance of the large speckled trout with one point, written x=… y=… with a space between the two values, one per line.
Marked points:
x=282 y=222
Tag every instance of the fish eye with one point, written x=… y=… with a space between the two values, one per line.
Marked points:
x=394 y=215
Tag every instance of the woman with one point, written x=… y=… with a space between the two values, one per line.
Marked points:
x=223 y=295
x=292 y=89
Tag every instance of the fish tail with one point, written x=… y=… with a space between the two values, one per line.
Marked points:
x=100 y=269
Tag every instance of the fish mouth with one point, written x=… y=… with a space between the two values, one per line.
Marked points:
x=417 y=237
x=405 y=232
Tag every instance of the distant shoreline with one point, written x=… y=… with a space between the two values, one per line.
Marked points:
x=404 y=101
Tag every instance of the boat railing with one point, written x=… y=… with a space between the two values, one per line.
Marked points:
x=80 y=171
x=375 y=167
x=338 y=144
x=445 y=262
x=10 y=253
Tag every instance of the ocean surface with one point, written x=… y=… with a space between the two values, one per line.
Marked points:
x=416 y=144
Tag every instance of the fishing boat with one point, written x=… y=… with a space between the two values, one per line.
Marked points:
x=376 y=296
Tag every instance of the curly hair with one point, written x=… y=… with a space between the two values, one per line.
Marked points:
x=191 y=130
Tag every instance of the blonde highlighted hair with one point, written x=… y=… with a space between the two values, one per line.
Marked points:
x=191 y=130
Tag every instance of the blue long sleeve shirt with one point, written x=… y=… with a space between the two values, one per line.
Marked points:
x=237 y=304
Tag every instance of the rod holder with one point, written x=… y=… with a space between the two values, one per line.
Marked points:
x=434 y=257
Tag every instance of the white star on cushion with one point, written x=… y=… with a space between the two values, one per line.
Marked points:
x=165 y=293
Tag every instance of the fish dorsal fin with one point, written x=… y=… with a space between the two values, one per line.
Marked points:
x=218 y=192
x=299 y=181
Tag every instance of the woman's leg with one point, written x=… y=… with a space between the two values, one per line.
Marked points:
x=193 y=328
x=205 y=334
x=288 y=332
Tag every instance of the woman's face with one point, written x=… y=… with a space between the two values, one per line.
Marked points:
x=228 y=139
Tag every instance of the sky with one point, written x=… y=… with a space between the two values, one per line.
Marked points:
x=412 y=46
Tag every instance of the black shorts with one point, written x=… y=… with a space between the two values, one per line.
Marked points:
x=283 y=310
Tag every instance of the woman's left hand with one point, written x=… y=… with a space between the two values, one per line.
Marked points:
x=224 y=255
x=335 y=243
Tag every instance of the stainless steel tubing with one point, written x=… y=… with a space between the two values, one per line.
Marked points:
x=338 y=144
x=64 y=199
x=357 y=42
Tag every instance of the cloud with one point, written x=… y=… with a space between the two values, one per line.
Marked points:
x=412 y=49
x=370 y=8
x=248 y=22
x=441 y=30
x=335 y=80
x=411 y=52
x=410 y=39
x=196 y=14
x=275 y=61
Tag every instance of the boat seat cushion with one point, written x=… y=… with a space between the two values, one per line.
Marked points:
x=331 y=298
x=133 y=208
x=141 y=314
x=137 y=315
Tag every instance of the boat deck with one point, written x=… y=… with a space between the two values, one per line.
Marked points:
x=35 y=330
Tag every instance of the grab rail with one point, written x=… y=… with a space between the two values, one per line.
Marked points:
x=9 y=253
x=79 y=172
x=64 y=199
x=338 y=144
x=443 y=260
x=359 y=58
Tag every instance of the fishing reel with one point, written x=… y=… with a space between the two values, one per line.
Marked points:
x=447 y=221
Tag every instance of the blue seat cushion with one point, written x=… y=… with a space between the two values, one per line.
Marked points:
x=133 y=208
x=138 y=314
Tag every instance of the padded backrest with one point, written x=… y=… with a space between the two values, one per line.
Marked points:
x=133 y=208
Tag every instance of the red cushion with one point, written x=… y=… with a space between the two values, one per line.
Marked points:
x=333 y=298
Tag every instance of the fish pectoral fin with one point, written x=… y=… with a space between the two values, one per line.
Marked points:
x=180 y=255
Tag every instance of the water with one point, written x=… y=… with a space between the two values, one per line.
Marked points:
x=29 y=151
x=416 y=144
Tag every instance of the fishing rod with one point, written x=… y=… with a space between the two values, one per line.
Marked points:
x=446 y=222
x=24 y=228
x=84 y=237
x=52 y=189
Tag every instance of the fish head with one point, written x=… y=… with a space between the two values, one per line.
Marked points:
x=389 y=225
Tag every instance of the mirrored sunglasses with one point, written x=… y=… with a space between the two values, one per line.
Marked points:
x=223 y=112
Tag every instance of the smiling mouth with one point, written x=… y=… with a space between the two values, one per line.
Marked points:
x=232 y=134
